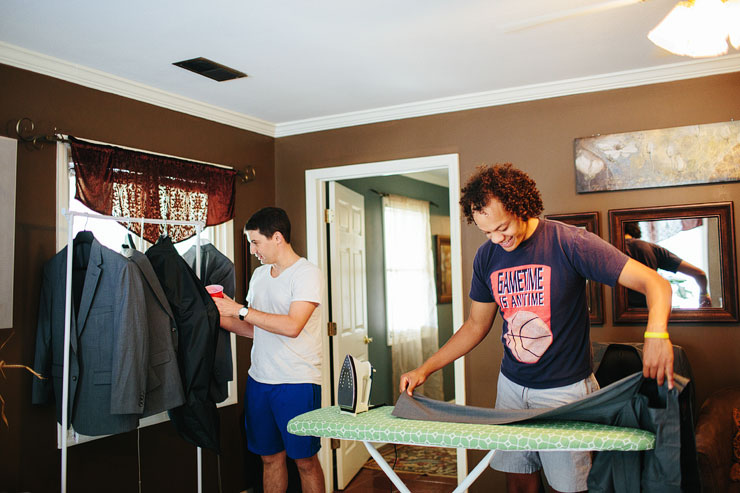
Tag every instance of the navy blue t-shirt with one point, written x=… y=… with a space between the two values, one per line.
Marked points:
x=540 y=289
x=654 y=256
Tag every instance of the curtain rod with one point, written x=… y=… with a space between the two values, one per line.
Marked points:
x=383 y=194
x=25 y=126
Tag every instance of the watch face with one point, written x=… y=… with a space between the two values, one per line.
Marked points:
x=243 y=312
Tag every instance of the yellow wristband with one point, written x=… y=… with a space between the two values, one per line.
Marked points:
x=656 y=335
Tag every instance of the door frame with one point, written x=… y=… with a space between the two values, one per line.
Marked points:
x=316 y=252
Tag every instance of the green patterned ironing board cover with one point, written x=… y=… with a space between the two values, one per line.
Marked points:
x=378 y=425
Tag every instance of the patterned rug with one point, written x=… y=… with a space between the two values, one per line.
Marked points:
x=432 y=461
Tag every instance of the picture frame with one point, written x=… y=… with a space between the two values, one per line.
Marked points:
x=722 y=260
x=594 y=290
x=8 y=171
x=443 y=269
x=665 y=157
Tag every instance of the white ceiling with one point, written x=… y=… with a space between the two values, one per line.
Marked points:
x=333 y=63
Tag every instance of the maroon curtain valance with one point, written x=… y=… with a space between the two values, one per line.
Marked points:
x=121 y=182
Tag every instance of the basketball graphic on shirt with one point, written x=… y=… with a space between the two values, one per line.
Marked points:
x=527 y=337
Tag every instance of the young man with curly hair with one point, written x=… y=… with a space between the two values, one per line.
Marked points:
x=534 y=272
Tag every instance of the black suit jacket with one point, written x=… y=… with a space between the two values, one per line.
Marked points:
x=197 y=325
x=216 y=268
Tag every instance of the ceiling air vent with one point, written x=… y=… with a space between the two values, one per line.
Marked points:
x=210 y=69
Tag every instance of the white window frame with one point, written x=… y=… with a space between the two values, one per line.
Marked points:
x=220 y=236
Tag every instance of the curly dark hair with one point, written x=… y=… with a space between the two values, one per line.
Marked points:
x=516 y=191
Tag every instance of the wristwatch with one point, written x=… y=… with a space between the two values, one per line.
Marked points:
x=243 y=312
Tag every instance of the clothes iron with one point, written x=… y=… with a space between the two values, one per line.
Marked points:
x=355 y=380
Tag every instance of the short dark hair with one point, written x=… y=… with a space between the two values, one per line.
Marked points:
x=268 y=221
x=632 y=229
x=516 y=191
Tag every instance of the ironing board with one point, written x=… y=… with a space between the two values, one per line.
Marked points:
x=378 y=425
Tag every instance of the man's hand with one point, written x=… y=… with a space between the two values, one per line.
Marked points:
x=657 y=360
x=475 y=328
x=411 y=380
x=227 y=307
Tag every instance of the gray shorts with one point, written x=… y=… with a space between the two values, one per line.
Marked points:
x=565 y=471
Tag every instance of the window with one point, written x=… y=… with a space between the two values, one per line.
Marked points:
x=411 y=298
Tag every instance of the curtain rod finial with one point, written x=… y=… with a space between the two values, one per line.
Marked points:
x=247 y=175
x=24 y=129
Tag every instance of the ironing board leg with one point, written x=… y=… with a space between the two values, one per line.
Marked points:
x=386 y=468
x=477 y=471
x=464 y=485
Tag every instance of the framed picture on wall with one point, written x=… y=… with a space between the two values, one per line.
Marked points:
x=594 y=290
x=8 y=155
x=443 y=267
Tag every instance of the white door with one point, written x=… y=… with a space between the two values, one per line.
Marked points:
x=348 y=304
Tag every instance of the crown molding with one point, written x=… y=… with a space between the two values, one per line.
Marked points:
x=616 y=80
x=96 y=79
x=102 y=81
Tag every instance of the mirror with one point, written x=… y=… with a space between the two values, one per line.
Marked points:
x=693 y=247
x=594 y=290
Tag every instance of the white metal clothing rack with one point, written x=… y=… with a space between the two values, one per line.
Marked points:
x=70 y=215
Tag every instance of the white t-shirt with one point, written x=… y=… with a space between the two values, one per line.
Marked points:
x=276 y=358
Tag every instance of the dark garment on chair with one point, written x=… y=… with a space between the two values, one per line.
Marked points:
x=632 y=402
x=216 y=268
x=108 y=355
x=197 y=320
x=618 y=361
x=608 y=355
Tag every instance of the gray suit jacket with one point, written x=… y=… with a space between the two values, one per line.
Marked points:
x=163 y=384
x=108 y=340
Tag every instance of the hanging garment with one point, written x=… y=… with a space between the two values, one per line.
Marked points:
x=163 y=383
x=216 y=268
x=633 y=402
x=197 y=321
x=109 y=354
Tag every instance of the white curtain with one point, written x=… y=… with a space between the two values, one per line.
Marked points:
x=411 y=298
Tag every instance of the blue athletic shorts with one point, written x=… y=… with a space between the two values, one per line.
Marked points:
x=268 y=408
x=565 y=471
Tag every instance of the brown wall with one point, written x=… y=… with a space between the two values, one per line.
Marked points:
x=538 y=137
x=29 y=458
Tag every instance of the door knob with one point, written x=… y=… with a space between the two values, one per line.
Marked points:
x=367 y=340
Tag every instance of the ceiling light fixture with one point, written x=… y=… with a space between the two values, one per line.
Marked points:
x=699 y=28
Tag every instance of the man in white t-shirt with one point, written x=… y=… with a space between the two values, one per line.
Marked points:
x=285 y=375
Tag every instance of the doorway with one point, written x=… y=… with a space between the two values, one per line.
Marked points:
x=316 y=205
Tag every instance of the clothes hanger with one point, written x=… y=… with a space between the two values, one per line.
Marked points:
x=129 y=247
x=84 y=237
x=164 y=235
x=204 y=240
x=130 y=242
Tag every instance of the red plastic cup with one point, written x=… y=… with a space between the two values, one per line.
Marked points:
x=215 y=290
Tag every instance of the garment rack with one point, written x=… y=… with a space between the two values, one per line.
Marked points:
x=70 y=215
